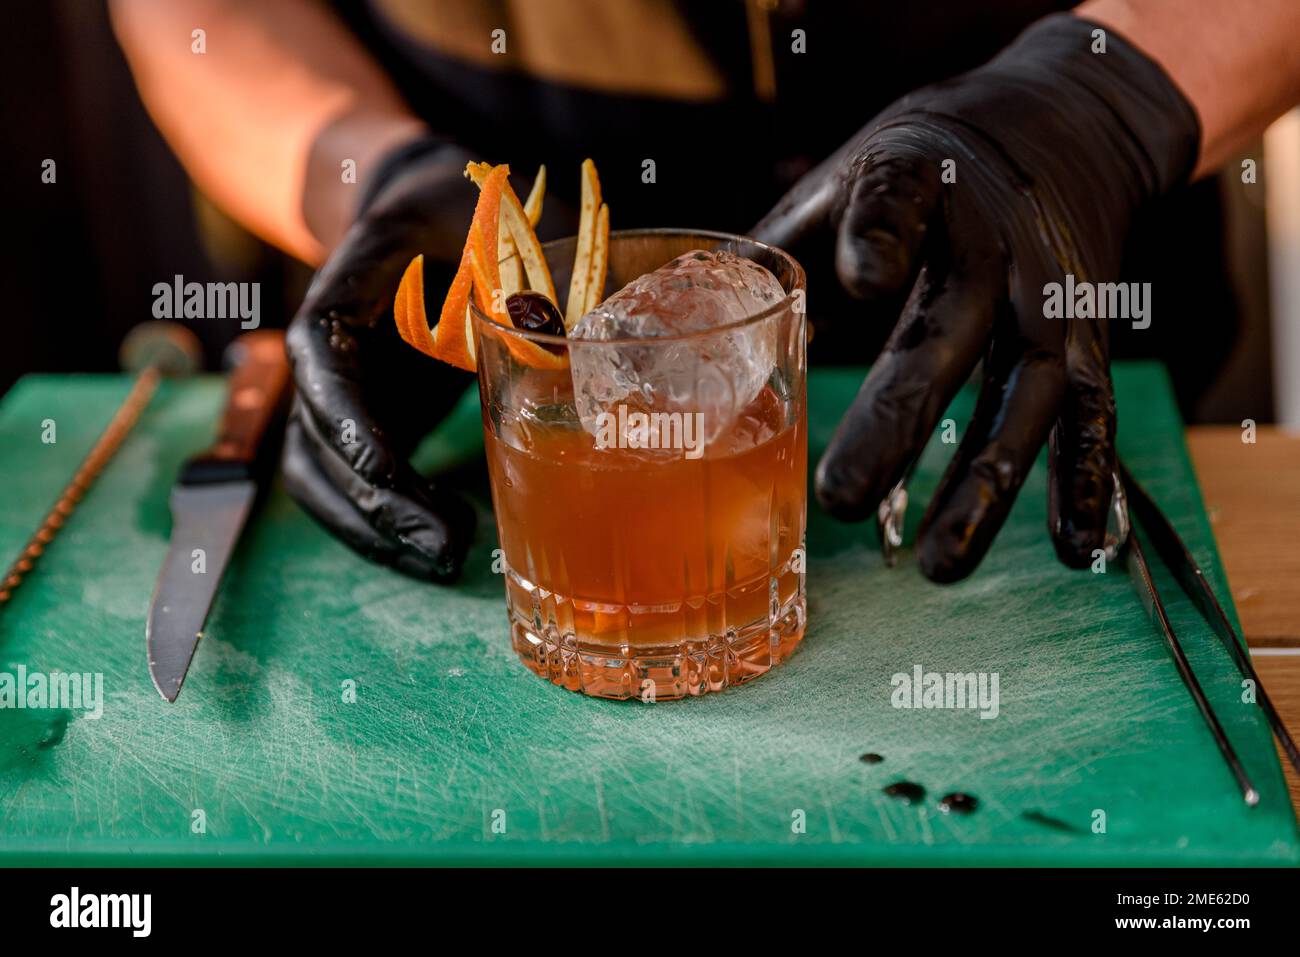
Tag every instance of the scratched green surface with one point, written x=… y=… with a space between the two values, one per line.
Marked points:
x=448 y=728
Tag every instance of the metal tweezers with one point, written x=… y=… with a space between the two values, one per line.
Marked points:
x=1156 y=529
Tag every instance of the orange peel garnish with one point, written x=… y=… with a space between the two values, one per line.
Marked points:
x=599 y=261
x=517 y=221
x=501 y=247
x=580 y=282
x=508 y=261
x=452 y=339
x=484 y=229
x=533 y=204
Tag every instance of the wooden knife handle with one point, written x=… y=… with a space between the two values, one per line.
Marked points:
x=256 y=396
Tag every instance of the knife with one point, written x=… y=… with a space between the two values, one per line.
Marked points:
x=210 y=504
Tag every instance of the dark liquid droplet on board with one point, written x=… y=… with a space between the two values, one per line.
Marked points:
x=906 y=791
x=1055 y=823
x=958 y=803
x=871 y=758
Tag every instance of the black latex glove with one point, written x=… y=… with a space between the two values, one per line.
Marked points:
x=1055 y=148
x=357 y=380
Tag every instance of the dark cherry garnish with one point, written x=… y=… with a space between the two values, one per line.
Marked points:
x=533 y=312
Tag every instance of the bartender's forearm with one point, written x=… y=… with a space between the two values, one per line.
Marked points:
x=264 y=119
x=1238 y=63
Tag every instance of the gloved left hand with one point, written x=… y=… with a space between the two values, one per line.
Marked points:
x=1050 y=149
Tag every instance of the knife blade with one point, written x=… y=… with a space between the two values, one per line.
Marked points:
x=210 y=504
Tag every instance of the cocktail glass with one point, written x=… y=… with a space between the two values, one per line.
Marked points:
x=640 y=571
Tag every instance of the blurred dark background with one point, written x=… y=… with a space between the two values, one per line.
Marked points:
x=85 y=251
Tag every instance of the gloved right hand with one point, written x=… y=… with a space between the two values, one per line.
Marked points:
x=364 y=398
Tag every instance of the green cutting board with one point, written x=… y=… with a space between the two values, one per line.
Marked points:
x=452 y=752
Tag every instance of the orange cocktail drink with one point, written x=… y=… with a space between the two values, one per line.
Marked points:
x=650 y=485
